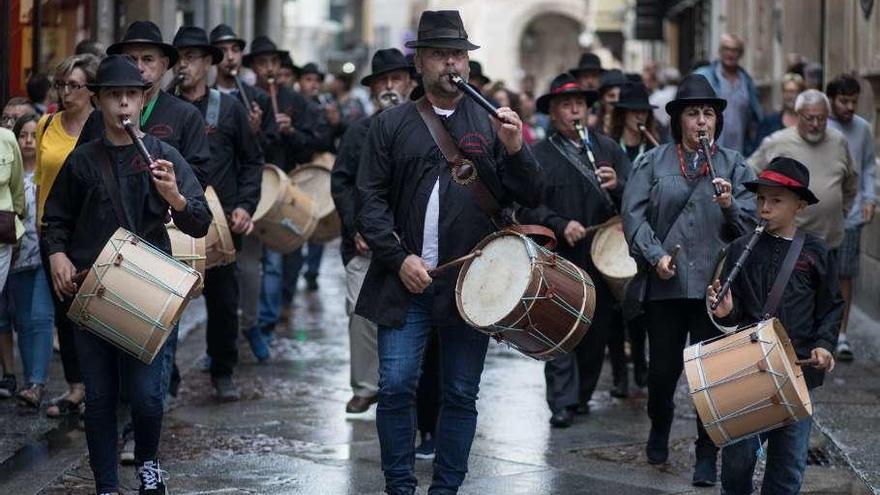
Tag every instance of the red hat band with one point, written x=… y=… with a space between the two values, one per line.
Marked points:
x=779 y=178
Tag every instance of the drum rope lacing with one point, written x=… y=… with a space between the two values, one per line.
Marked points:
x=742 y=373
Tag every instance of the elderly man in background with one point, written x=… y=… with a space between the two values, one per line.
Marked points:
x=734 y=84
x=824 y=151
x=843 y=92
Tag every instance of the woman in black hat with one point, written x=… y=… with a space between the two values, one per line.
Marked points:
x=143 y=195
x=609 y=92
x=670 y=201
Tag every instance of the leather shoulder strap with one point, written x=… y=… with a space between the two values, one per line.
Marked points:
x=775 y=297
x=212 y=113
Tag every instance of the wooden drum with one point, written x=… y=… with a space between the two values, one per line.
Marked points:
x=188 y=250
x=285 y=217
x=314 y=180
x=610 y=254
x=524 y=294
x=219 y=249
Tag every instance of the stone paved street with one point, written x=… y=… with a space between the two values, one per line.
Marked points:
x=290 y=434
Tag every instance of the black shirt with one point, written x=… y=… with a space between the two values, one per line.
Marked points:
x=343 y=183
x=174 y=122
x=811 y=307
x=235 y=169
x=79 y=216
x=268 y=135
x=311 y=132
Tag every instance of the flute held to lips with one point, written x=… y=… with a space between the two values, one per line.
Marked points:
x=240 y=87
x=138 y=142
x=648 y=135
x=273 y=92
x=707 y=152
x=473 y=93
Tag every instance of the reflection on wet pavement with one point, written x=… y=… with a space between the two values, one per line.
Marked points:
x=290 y=433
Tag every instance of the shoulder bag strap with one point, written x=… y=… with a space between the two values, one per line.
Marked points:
x=454 y=158
x=794 y=250
x=212 y=113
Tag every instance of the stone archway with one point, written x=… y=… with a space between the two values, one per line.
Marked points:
x=548 y=46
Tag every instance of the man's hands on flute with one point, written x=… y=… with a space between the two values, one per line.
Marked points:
x=510 y=130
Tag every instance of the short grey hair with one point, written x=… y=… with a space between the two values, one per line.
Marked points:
x=811 y=97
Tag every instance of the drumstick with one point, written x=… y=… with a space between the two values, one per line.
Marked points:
x=593 y=228
x=807 y=362
x=442 y=268
x=79 y=277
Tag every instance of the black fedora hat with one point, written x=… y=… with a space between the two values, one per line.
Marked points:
x=263 y=45
x=562 y=85
x=385 y=61
x=612 y=78
x=287 y=63
x=144 y=33
x=476 y=71
x=441 y=29
x=223 y=33
x=311 y=68
x=695 y=90
x=589 y=61
x=196 y=37
x=788 y=173
x=634 y=96
x=118 y=71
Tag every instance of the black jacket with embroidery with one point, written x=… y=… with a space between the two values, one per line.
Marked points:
x=399 y=166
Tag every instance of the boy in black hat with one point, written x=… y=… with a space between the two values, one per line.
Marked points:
x=577 y=197
x=810 y=309
x=163 y=116
x=77 y=224
x=235 y=173
x=256 y=101
x=418 y=212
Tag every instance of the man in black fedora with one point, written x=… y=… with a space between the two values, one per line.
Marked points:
x=588 y=71
x=100 y=173
x=477 y=79
x=235 y=173
x=163 y=115
x=585 y=179
x=310 y=80
x=389 y=85
x=418 y=211
x=260 y=114
x=671 y=199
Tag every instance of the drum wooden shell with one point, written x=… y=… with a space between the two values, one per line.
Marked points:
x=219 y=249
x=746 y=382
x=314 y=180
x=188 y=250
x=285 y=217
x=610 y=254
x=133 y=295
x=554 y=299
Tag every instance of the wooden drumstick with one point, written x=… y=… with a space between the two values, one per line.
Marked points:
x=807 y=362
x=442 y=268
x=593 y=228
x=79 y=277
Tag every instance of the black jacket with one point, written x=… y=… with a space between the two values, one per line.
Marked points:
x=268 y=135
x=811 y=306
x=399 y=166
x=343 y=184
x=79 y=216
x=173 y=121
x=235 y=169
x=570 y=195
x=311 y=132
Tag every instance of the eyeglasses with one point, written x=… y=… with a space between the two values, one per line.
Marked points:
x=61 y=85
x=817 y=119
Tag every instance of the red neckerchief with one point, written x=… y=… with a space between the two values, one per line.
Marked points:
x=704 y=170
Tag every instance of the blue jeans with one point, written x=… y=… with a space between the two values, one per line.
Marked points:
x=105 y=370
x=314 y=253
x=786 y=460
x=462 y=352
x=280 y=274
x=29 y=309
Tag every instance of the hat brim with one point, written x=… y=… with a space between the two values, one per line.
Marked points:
x=675 y=106
x=119 y=84
x=249 y=58
x=483 y=79
x=635 y=106
x=368 y=79
x=803 y=192
x=455 y=43
x=216 y=53
x=543 y=103
x=168 y=50
x=238 y=41
x=587 y=68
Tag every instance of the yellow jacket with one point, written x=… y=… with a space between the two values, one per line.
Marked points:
x=12 y=179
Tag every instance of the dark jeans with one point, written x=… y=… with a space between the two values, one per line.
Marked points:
x=571 y=379
x=462 y=352
x=105 y=370
x=66 y=330
x=786 y=460
x=428 y=392
x=221 y=303
x=669 y=324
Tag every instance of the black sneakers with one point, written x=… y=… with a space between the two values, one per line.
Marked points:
x=152 y=479
x=225 y=389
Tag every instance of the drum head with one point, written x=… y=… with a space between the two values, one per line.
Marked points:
x=270 y=189
x=494 y=283
x=314 y=180
x=611 y=253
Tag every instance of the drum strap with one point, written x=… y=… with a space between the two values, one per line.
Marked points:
x=794 y=251
x=456 y=159
x=212 y=114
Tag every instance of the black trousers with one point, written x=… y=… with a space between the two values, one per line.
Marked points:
x=571 y=379
x=66 y=330
x=221 y=302
x=669 y=324
x=428 y=392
